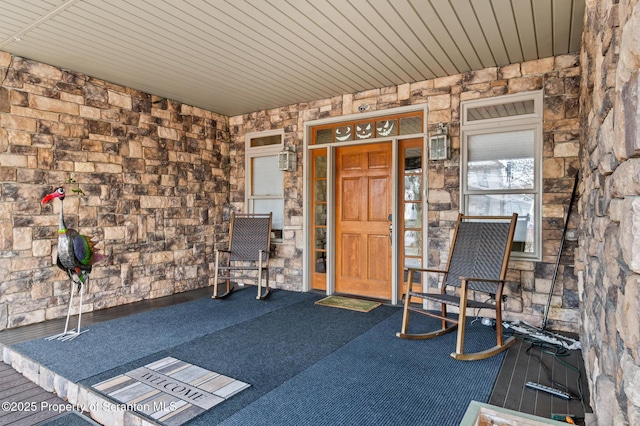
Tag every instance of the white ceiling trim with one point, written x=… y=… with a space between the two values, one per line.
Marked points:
x=39 y=21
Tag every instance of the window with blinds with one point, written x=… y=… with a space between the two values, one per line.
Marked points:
x=501 y=164
x=265 y=192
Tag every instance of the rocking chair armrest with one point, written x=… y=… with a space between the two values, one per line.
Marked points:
x=487 y=280
x=440 y=271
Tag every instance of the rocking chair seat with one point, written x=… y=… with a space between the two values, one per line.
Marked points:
x=478 y=260
x=452 y=299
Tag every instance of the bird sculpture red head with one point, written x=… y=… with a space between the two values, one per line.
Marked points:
x=57 y=193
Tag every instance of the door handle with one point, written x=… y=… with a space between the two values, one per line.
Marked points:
x=390 y=229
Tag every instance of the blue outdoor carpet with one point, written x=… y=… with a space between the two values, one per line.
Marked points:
x=379 y=379
x=69 y=419
x=306 y=364
x=113 y=343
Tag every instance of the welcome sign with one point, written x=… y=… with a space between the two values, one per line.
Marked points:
x=170 y=391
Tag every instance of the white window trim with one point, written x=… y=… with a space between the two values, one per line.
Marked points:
x=533 y=122
x=254 y=152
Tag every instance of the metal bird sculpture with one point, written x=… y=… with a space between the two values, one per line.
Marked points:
x=76 y=256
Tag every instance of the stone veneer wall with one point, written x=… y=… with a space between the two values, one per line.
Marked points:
x=152 y=171
x=559 y=77
x=608 y=258
x=157 y=175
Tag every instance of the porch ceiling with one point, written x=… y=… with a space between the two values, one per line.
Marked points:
x=239 y=56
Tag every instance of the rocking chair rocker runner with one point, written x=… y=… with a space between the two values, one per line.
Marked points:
x=478 y=260
x=249 y=243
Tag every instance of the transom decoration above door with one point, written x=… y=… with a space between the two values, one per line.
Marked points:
x=369 y=128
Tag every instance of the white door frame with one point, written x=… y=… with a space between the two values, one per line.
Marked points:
x=330 y=272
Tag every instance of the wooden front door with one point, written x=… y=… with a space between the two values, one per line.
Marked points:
x=363 y=205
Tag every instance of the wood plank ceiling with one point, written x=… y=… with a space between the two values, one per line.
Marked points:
x=239 y=56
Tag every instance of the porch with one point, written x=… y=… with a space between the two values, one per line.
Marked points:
x=163 y=164
x=506 y=387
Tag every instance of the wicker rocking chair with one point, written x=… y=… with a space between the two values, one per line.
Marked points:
x=478 y=260
x=248 y=252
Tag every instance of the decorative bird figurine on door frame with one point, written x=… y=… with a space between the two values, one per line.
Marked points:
x=76 y=256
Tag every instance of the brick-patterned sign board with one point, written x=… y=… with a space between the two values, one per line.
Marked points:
x=170 y=391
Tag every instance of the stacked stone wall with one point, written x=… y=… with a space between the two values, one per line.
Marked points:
x=558 y=78
x=608 y=258
x=152 y=177
x=159 y=177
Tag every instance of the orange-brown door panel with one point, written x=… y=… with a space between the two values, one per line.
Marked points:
x=363 y=204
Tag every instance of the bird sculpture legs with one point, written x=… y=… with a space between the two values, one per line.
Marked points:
x=72 y=334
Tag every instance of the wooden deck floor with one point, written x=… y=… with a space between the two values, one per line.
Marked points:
x=525 y=364
x=509 y=390
x=23 y=402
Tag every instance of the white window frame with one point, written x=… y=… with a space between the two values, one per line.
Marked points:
x=532 y=121
x=261 y=151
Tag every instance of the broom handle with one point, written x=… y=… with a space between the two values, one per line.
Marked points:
x=564 y=233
